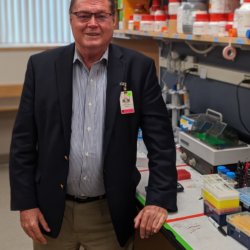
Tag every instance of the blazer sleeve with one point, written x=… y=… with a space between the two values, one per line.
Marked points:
x=23 y=150
x=159 y=140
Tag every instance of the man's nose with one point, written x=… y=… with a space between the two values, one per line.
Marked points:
x=92 y=20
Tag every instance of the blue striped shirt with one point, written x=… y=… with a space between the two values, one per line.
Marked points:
x=85 y=176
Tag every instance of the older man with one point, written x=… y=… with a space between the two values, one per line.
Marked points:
x=73 y=153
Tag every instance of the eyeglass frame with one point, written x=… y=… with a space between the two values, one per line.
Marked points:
x=91 y=14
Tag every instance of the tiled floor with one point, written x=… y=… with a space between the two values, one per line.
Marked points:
x=12 y=236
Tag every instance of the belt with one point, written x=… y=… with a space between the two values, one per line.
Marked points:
x=84 y=199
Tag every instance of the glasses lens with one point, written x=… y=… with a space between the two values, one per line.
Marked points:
x=86 y=16
x=101 y=17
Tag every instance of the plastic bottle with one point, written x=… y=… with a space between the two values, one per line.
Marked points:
x=147 y=23
x=131 y=23
x=190 y=9
x=229 y=25
x=200 y=26
x=179 y=18
x=155 y=6
x=219 y=169
x=224 y=173
x=173 y=6
x=217 y=24
x=160 y=24
x=138 y=11
x=242 y=19
x=222 y=6
x=230 y=178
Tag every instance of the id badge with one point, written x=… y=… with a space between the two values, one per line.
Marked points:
x=126 y=102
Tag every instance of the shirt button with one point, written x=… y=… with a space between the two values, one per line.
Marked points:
x=87 y=154
x=85 y=178
x=90 y=104
x=89 y=128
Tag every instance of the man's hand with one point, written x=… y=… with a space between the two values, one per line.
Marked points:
x=30 y=220
x=150 y=220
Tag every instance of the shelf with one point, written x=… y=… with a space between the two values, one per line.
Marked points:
x=9 y=108
x=187 y=37
x=10 y=97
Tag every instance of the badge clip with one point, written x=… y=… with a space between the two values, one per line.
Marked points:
x=124 y=85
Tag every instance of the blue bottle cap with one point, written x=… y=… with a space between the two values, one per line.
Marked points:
x=219 y=168
x=225 y=170
x=248 y=34
x=231 y=175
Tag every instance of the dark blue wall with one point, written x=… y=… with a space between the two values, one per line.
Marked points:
x=219 y=96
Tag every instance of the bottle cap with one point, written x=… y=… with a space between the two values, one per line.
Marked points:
x=219 y=168
x=224 y=170
x=248 y=34
x=231 y=175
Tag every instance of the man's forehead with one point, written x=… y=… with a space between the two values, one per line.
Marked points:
x=91 y=3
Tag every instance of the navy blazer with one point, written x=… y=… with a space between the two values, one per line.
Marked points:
x=41 y=138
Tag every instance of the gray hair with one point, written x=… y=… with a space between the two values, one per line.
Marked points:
x=112 y=6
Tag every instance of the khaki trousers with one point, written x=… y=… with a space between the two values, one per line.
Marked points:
x=86 y=225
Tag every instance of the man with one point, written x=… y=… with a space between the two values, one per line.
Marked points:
x=73 y=152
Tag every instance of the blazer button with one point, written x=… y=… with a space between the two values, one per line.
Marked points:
x=62 y=186
x=66 y=157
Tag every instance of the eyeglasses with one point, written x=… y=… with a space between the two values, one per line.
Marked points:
x=86 y=16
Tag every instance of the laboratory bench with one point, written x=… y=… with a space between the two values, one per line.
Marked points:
x=189 y=228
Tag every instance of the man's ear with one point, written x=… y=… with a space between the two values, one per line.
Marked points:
x=115 y=20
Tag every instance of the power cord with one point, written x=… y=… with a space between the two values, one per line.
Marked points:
x=198 y=51
x=246 y=81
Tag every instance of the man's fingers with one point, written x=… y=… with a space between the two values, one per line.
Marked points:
x=158 y=222
x=147 y=222
x=43 y=222
x=34 y=232
x=38 y=236
x=137 y=219
x=30 y=220
x=150 y=220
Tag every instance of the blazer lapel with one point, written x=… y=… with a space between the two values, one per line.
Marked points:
x=64 y=66
x=115 y=75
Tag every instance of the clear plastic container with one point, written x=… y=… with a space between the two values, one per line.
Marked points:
x=242 y=19
x=190 y=9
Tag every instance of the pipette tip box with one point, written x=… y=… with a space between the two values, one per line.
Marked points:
x=219 y=215
x=238 y=227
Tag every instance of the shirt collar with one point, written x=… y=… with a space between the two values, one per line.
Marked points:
x=77 y=57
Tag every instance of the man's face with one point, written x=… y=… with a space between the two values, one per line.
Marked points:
x=93 y=32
